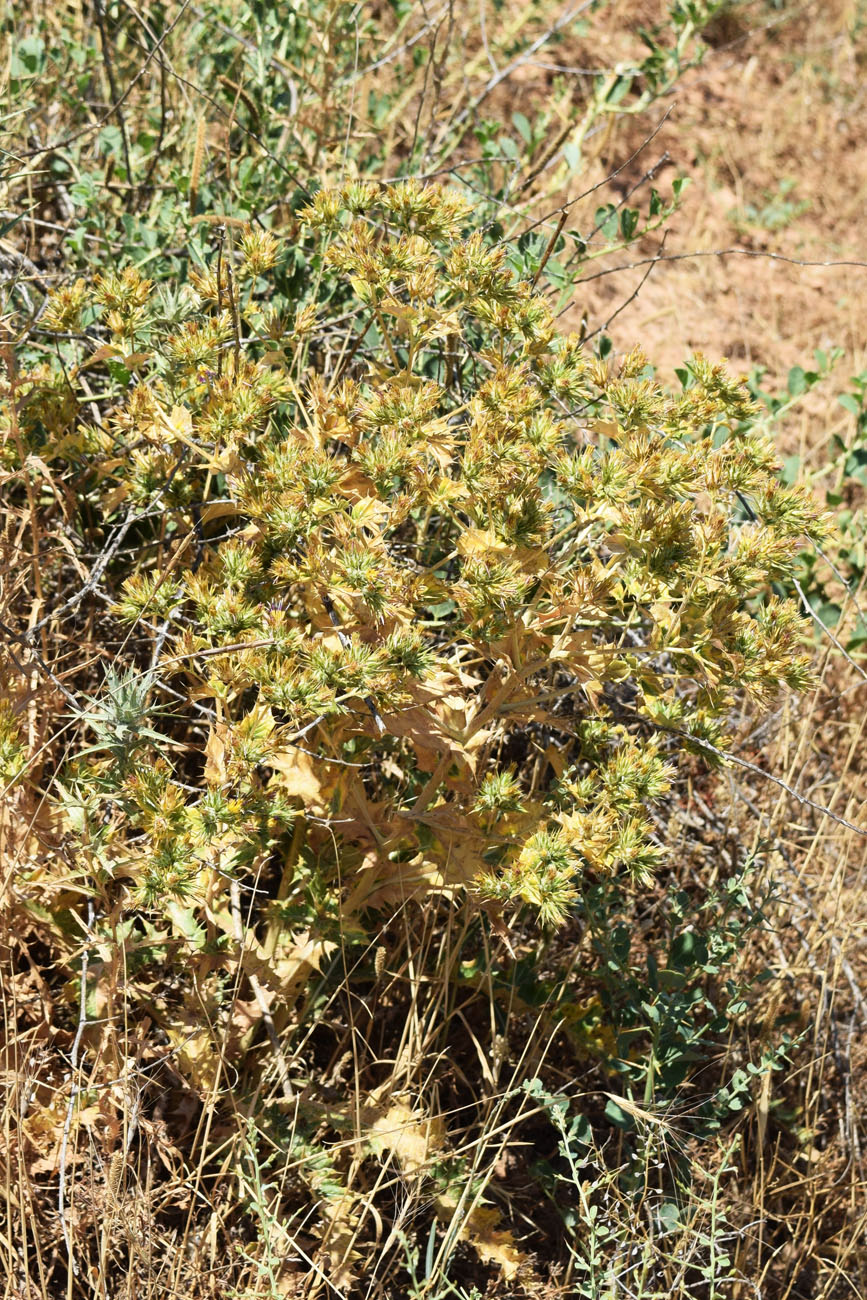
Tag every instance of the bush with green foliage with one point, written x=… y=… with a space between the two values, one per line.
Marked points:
x=416 y=568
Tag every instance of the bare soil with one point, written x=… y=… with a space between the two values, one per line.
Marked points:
x=770 y=130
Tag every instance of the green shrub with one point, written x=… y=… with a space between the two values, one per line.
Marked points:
x=417 y=569
x=126 y=138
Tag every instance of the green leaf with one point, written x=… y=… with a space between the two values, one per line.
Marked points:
x=688 y=949
x=797 y=382
x=791 y=470
x=618 y=1116
x=118 y=371
x=27 y=58
x=669 y=1216
x=605 y=221
x=619 y=90
x=628 y=222
x=522 y=126
x=185 y=923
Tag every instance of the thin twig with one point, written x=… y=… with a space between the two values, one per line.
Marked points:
x=550 y=248
x=21 y=638
x=806 y=902
x=117 y=99
x=862 y=614
x=93 y=127
x=102 y=563
x=527 y=55
x=156 y=148
x=636 y=291
x=719 y=252
x=74 y=1092
x=413 y=40
x=828 y=633
x=258 y=993
x=768 y=776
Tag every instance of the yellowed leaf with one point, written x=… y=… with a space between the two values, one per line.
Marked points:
x=296 y=958
x=112 y=499
x=492 y=1244
x=218 y=510
x=101 y=354
x=453 y=860
x=356 y=485
x=606 y=428
x=440 y=327
x=295 y=774
x=442 y=449
x=593 y=690
x=180 y=422
x=392 y=1125
x=421 y=727
x=480 y=541
x=283 y=972
x=136 y=359
x=369 y=512
x=215 y=755
x=394 y=307
x=383 y=881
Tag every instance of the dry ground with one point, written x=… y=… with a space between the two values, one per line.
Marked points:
x=770 y=131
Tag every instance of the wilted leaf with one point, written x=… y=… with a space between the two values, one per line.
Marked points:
x=296 y=775
x=492 y=1244
x=215 y=755
x=341 y=1227
x=195 y=1051
x=392 y=1125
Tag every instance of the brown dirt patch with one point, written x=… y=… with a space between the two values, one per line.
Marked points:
x=769 y=129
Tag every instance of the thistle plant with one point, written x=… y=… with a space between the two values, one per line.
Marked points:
x=447 y=586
